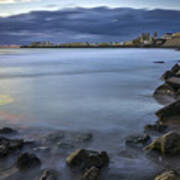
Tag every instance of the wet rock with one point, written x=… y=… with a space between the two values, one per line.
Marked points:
x=7 y=130
x=159 y=62
x=170 y=113
x=168 y=175
x=165 y=90
x=174 y=82
x=48 y=174
x=156 y=128
x=85 y=159
x=27 y=161
x=167 y=144
x=8 y=146
x=138 y=140
x=91 y=174
x=174 y=72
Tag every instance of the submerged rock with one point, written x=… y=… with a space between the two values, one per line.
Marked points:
x=167 y=144
x=159 y=62
x=170 y=113
x=48 y=174
x=138 y=140
x=7 y=130
x=8 y=146
x=85 y=159
x=168 y=175
x=91 y=174
x=27 y=161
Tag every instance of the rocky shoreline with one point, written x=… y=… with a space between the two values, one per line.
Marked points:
x=24 y=158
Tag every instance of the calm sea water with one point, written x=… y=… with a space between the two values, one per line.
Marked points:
x=106 y=91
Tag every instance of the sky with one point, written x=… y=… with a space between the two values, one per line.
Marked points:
x=58 y=21
x=11 y=7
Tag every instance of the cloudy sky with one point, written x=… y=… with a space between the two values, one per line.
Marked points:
x=23 y=21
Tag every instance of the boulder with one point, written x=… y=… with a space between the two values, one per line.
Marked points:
x=48 y=174
x=168 y=175
x=168 y=144
x=91 y=174
x=85 y=159
x=170 y=114
x=138 y=140
x=27 y=161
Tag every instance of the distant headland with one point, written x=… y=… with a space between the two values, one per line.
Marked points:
x=145 y=40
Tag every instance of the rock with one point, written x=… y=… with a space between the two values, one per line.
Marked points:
x=168 y=175
x=8 y=146
x=136 y=140
x=174 y=82
x=159 y=62
x=7 y=130
x=167 y=144
x=172 y=73
x=170 y=113
x=27 y=161
x=85 y=159
x=48 y=175
x=165 y=90
x=91 y=174
x=156 y=128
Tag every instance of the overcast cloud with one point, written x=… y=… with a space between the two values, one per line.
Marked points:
x=81 y=24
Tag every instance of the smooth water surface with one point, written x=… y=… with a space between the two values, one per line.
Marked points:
x=108 y=91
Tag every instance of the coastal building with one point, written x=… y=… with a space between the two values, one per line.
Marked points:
x=167 y=36
x=174 y=41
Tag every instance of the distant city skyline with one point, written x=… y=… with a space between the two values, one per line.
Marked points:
x=13 y=7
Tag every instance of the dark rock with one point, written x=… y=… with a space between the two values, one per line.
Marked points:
x=174 y=82
x=167 y=144
x=91 y=174
x=85 y=159
x=27 y=161
x=48 y=175
x=159 y=62
x=7 y=130
x=170 y=113
x=168 y=175
x=174 y=72
x=8 y=146
x=165 y=90
x=156 y=128
x=136 y=140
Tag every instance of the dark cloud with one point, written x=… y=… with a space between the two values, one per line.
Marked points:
x=81 y=24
